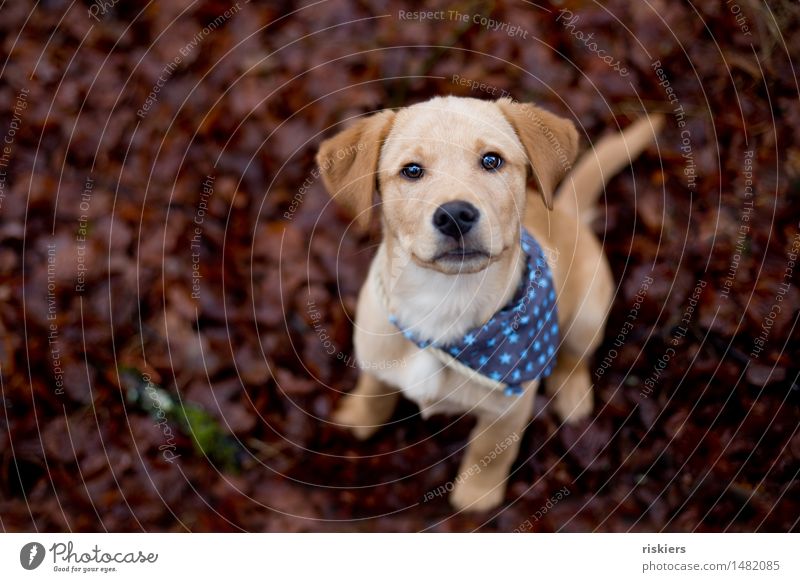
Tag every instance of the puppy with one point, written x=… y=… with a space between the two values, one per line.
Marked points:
x=480 y=280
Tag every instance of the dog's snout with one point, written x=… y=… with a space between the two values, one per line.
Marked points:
x=455 y=219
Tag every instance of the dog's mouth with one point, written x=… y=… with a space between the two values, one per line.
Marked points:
x=460 y=260
x=461 y=255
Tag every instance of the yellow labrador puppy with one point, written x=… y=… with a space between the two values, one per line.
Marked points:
x=481 y=285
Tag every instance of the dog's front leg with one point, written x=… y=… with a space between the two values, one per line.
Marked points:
x=494 y=444
x=368 y=407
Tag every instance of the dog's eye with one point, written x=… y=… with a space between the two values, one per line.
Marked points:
x=491 y=161
x=412 y=171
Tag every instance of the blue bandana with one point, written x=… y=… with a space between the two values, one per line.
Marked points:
x=518 y=343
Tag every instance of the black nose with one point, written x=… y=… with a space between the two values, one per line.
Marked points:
x=455 y=218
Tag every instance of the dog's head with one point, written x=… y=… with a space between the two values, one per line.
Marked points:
x=451 y=174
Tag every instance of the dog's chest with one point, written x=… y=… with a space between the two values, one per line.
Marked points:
x=437 y=389
x=442 y=308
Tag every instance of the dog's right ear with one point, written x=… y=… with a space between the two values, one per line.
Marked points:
x=348 y=163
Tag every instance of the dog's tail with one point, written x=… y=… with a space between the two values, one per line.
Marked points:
x=582 y=186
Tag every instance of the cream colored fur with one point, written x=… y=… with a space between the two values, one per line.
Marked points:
x=439 y=299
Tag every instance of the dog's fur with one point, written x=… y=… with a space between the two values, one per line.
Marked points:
x=440 y=297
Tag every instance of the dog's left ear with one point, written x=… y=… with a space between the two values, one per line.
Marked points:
x=349 y=163
x=551 y=143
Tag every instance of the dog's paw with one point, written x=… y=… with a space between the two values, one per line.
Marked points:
x=471 y=496
x=355 y=418
x=573 y=405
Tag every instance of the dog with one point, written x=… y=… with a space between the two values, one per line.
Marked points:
x=461 y=185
